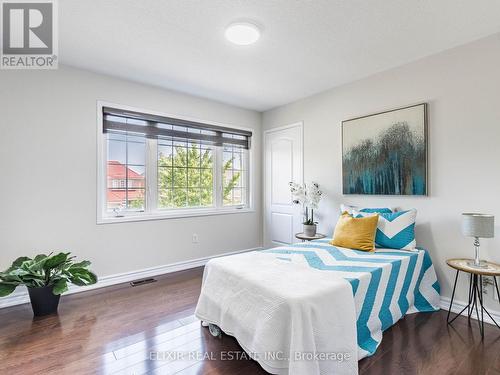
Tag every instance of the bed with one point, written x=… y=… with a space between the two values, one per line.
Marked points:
x=313 y=308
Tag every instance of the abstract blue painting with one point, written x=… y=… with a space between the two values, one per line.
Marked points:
x=386 y=153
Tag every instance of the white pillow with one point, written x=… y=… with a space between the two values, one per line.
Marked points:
x=394 y=230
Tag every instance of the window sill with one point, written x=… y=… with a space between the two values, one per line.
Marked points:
x=172 y=215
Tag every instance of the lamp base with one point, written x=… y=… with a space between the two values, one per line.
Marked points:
x=482 y=264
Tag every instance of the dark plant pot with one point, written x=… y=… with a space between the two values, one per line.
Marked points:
x=43 y=301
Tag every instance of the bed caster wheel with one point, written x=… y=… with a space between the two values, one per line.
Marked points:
x=215 y=330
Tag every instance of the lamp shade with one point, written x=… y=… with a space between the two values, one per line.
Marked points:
x=478 y=225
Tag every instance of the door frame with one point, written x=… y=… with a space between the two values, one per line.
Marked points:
x=300 y=125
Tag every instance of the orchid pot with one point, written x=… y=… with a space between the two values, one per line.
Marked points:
x=309 y=230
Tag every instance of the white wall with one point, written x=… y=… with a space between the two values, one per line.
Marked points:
x=462 y=87
x=48 y=160
x=48 y=174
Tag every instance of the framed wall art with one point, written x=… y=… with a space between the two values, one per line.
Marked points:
x=386 y=153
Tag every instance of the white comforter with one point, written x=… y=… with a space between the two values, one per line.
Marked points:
x=290 y=318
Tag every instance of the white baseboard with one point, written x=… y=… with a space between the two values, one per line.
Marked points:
x=459 y=305
x=20 y=296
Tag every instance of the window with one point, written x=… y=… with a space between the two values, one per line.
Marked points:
x=234 y=175
x=126 y=171
x=158 y=166
x=185 y=174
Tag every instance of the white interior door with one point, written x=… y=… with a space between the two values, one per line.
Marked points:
x=283 y=162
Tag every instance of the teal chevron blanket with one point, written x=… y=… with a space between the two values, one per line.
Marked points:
x=387 y=284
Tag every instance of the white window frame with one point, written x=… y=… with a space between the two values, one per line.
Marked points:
x=151 y=212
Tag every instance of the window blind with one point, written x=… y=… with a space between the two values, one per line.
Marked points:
x=153 y=126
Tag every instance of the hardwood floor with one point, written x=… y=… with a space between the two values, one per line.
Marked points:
x=113 y=330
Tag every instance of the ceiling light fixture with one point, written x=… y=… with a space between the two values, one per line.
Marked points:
x=242 y=33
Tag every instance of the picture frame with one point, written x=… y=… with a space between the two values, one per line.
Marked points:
x=385 y=153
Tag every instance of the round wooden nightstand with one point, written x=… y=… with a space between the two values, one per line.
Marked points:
x=303 y=237
x=475 y=288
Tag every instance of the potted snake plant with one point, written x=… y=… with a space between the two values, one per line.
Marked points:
x=46 y=277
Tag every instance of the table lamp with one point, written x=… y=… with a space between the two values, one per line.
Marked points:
x=478 y=226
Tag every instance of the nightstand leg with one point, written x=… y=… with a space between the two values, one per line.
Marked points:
x=498 y=290
x=476 y=298
x=480 y=291
x=452 y=297
x=473 y=281
x=469 y=310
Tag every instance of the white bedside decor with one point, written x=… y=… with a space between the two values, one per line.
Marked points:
x=478 y=226
x=307 y=195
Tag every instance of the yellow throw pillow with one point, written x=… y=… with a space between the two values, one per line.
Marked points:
x=355 y=233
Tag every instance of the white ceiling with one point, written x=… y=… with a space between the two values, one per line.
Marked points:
x=307 y=46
